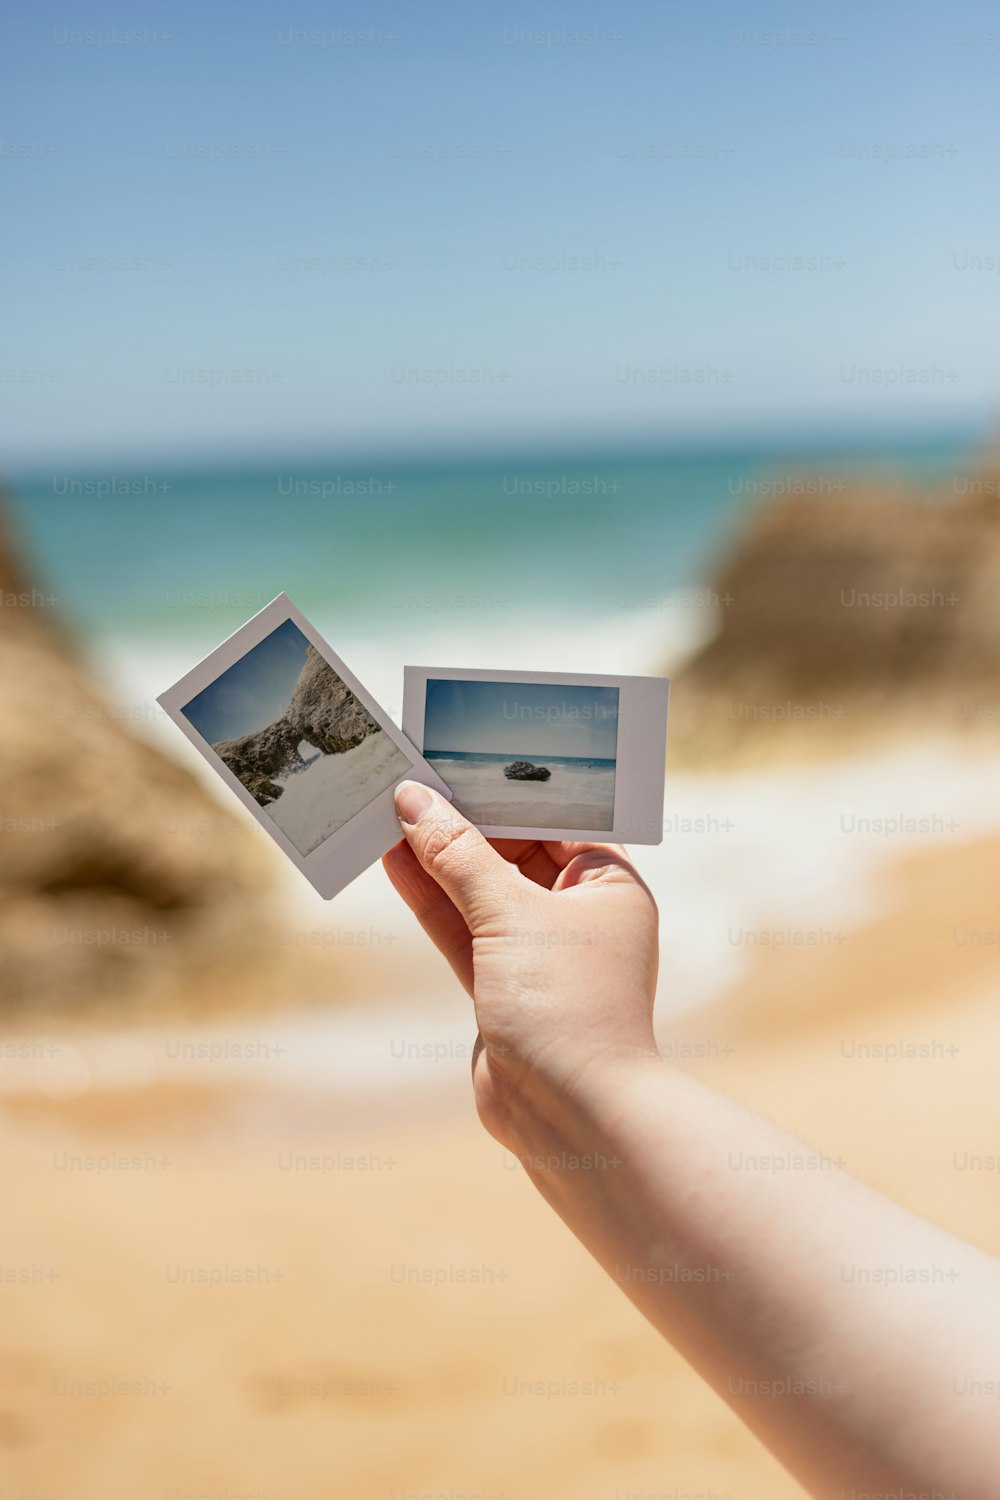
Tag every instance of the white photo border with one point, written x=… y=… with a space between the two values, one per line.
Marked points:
x=640 y=755
x=364 y=838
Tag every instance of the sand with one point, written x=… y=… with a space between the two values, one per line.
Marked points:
x=572 y=797
x=320 y=798
x=350 y=1291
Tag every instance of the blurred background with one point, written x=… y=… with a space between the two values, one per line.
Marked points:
x=620 y=339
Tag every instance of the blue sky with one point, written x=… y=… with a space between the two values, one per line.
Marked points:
x=471 y=228
x=255 y=691
x=521 y=718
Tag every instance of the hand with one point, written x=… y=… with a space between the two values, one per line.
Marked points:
x=555 y=942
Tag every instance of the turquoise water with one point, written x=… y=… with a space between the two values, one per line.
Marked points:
x=592 y=762
x=380 y=544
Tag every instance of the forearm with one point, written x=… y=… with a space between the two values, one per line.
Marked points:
x=744 y=1248
x=740 y=1245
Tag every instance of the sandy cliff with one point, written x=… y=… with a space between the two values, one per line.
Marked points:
x=847 y=617
x=122 y=883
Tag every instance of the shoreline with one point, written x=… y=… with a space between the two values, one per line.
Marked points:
x=750 y=850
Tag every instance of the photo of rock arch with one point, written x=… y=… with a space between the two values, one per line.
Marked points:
x=297 y=737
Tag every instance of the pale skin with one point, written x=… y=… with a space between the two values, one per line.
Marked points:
x=747 y=1271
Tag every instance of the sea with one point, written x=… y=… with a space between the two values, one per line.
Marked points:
x=571 y=762
x=585 y=561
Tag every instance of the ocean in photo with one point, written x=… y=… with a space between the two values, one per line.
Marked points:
x=579 y=793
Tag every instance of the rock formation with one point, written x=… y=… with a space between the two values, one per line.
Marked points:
x=851 y=614
x=523 y=770
x=322 y=711
x=123 y=884
x=256 y=758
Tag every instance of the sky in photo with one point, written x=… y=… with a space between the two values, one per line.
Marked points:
x=251 y=227
x=521 y=718
x=254 y=691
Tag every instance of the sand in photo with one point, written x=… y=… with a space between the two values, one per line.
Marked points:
x=326 y=793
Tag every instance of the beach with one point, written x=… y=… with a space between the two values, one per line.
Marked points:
x=328 y=790
x=485 y=389
x=324 y=1282
x=298 y=1264
x=577 y=793
x=259 y=1244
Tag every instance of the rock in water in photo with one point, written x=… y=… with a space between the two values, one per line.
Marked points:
x=124 y=885
x=323 y=711
x=523 y=770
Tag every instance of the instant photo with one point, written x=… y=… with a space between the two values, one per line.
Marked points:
x=301 y=742
x=542 y=754
x=525 y=752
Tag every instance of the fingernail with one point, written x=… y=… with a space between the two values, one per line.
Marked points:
x=412 y=801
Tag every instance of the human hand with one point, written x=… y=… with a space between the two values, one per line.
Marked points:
x=555 y=942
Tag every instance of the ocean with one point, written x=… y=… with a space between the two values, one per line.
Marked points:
x=571 y=762
x=531 y=560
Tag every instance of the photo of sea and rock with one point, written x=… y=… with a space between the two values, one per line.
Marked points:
x=525 y=754
x=300 y=741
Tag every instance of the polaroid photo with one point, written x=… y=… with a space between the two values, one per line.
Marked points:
x=551 y=755
x=305 y=748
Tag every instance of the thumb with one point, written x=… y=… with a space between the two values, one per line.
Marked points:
x=476 y=878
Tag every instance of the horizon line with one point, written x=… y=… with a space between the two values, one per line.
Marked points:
x=434 y=455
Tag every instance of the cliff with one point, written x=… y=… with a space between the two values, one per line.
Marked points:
x=322 y=711
x=847 y=618
x=122 y=882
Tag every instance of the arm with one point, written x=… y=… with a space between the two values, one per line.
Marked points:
x=854 y=1387
x=744 y=1266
